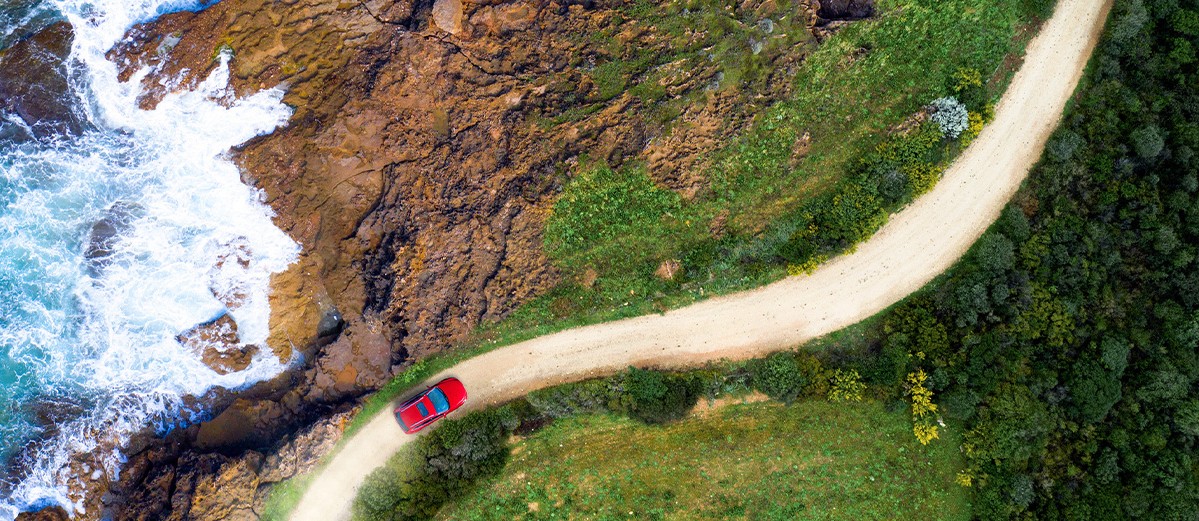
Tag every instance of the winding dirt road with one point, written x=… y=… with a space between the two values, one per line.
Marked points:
x=917 y=244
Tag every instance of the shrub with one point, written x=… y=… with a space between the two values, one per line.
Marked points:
x=442 y=465
x=967 y=86
x=655 y=397
x=922 y=177
x=779 y=376
x=923 y=409
x=846 y=386
x=950 y=115
x=590 y=396
x=815 y=373
x=965 y=79
x=976 y=123
x=1063 y=146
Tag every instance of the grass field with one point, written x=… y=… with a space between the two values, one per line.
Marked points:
x=812 y=460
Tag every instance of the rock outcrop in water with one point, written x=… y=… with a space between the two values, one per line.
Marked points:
x=34 y=85
x=428 y=143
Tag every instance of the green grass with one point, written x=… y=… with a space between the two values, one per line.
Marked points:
x=284 y=496
x=850 y=91
x=812 y=460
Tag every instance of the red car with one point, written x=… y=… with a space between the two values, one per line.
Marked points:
x=431 y=405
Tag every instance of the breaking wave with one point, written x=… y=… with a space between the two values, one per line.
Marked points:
x=112 y=243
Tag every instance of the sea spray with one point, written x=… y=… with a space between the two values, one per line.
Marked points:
x=95 y=337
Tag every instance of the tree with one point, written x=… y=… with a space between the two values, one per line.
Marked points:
x=1147 y=141
x=1095 y=390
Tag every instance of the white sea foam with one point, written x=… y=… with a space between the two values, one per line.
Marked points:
x=105 y=340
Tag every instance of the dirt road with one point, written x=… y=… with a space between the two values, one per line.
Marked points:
x=916 y=245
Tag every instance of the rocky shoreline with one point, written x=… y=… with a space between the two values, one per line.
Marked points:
x=428 y=143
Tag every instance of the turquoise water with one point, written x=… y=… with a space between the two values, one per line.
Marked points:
x=88 y=353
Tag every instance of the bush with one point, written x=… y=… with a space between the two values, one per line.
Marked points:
x=442 y=465
x=950 y=115
x=846 y=386
x=779 y=376
x=655 y=397
x=1064 y=145
x=590 y=396
x=967 y=86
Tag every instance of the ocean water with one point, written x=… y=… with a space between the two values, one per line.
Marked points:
x=87 y=351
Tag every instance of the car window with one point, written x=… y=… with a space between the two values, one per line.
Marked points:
x=440 y=403
x=420 y=406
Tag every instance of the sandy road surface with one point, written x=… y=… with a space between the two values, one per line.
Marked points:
x=916 y=245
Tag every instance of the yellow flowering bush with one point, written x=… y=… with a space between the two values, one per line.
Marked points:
x=974 y=127
x=846 y=386
x=923 y=409
x=966 y=78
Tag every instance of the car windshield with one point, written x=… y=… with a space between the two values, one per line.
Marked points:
x=440 y=403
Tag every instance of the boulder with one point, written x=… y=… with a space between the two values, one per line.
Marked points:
x=103 y=237
x=358 y=361
x=845 y=9
x=54 y=513
x=219 y=345
x=34 y=83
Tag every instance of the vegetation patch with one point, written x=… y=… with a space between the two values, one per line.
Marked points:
x=1065 y=340
x=812 y=176
x=811 y=460
x=454 y=459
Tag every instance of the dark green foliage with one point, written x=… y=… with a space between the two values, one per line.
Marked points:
x=655 y=397
x=779 y=376
x=1187 y=418
x=1094 y=390
x=564 y=400
x=915 y=338
x=442 y=465
x=1147 y=141
x=1069 y=335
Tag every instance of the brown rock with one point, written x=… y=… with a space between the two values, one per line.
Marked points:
x=55 y=513
x=227 y=494
x=504 y=18
x=358 y=361
x=447 y=14
x=219 y=345
x=301 y=452
x=33 y=82
x=236 y=427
